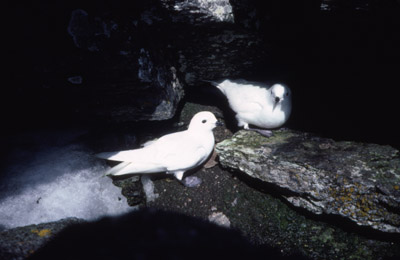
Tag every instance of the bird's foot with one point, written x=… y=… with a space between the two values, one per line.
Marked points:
x=263 y=132
x=191 y=181
x=212 y=161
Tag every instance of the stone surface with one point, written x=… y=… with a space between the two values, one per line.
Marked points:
x=147 y=234
x=21 y=242
x=212 y=43
x=357 y=181
x=127 y=62
x=220 y=219
x=132 y=189
x=266 y=220
x=202 y=11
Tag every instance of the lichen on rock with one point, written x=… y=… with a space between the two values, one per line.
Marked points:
x=354 y=180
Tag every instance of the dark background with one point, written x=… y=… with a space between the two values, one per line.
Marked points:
x=342 y=64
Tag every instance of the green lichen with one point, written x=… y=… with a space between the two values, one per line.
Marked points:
x=282 y=227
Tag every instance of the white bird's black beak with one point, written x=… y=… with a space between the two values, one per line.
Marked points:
x=219 y=123
x=277 y=100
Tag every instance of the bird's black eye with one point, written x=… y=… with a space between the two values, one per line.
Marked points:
x=204 y=121
x=287 y=94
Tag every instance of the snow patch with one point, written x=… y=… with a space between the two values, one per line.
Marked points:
x=46 y=183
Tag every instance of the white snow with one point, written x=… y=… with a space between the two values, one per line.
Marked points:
x=148 y=188
x=55 y=180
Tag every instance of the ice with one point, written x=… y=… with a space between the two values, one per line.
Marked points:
x=51 y=181
x=148 y=188
x=192 y=181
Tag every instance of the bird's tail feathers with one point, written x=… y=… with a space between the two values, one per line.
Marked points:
x=105 y=155
x=114 y=170
x=135 y=155
x=214 y=83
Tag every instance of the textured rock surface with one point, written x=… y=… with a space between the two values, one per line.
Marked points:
x=202 y=11
x=147 y=234
x=21 y=242
x=212 y=43
x=132 y=189
x=354 y=180
x=146 y=60
x=265 y=219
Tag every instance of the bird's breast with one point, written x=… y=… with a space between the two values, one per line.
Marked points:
x=271 y=119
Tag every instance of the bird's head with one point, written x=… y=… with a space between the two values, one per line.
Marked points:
x=279 y=93
x=203 y=121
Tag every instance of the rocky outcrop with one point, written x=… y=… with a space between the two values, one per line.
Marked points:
x=357 y=181
x=135 y=77
x=128 y=62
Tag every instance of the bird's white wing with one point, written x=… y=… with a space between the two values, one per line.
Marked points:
x=170 y=152
x=245 y=98
x=150 y=151
x=132 y=168
x=133 y=161
x=187 y=159
x=181 y=151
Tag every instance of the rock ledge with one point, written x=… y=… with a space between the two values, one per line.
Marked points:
x=357 y=181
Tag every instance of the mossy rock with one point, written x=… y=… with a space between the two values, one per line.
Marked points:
x=357 y=181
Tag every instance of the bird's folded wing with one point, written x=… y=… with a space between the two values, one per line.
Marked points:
x=247 y=99
x=131 y=168
x=249 y=107
x=186 y=159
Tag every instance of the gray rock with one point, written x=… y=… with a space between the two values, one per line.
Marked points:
x=215 y=42
x=144 y=61
x=267 y=220
x=127 y=63
x=21 y=242
x=132 y=189
x=203 y=10
x=357 y=181
x=220 y=219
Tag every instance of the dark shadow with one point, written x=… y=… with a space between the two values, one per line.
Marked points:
x=152 y=234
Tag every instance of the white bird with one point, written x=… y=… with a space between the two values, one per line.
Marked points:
x=173 y=153
x=256 y=104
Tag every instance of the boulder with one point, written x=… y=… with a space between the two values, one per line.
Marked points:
x=356 y=181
